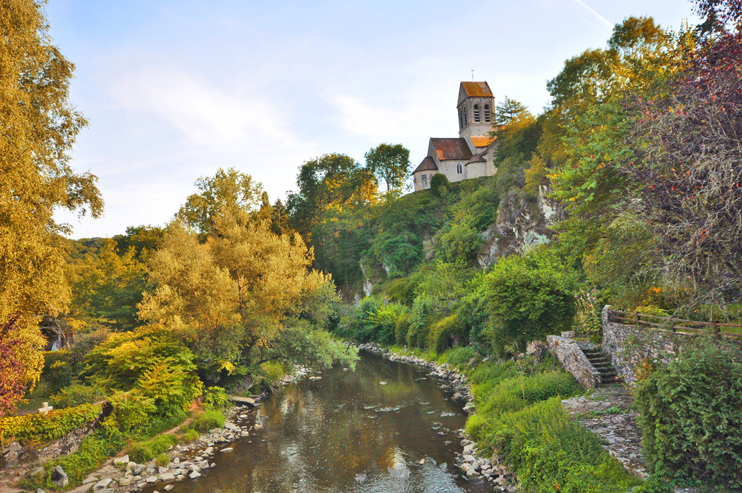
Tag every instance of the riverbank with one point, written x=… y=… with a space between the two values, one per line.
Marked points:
x=186 y=457
x=472 y=465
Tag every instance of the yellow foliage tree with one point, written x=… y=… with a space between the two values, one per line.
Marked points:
x=39 y=126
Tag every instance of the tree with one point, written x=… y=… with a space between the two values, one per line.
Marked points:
x=108 y=288
x=228 y=189
x=234 y=293
x=390 y=163
x=687 y=160
x=12 y=386
x=509 y=110
x=39 y=127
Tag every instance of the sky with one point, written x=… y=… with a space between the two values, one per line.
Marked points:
x=176 y=89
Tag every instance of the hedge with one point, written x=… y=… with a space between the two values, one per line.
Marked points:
x=41 y=428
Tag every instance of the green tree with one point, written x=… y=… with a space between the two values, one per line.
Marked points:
x=509 y=110
x=107 y=290
x=390 y=163
x=39 y=127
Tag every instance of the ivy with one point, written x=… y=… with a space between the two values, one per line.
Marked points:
x=43 y=428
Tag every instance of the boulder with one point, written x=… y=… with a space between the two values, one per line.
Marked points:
x=125 y=481
x=102 y=484
x=168 y=476
x=59 y=477
x=225 y=450
x=138 y=469
x=121 y=460
x=194 y=475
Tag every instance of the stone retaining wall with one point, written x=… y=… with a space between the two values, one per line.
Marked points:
x=15 y=454
x=574 y=360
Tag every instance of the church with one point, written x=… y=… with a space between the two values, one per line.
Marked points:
x=472 y=154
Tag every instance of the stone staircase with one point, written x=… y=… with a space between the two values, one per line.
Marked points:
x=602 y=362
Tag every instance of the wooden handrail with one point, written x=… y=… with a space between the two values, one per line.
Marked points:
x=636 y=318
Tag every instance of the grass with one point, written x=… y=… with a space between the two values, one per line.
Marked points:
x=520 y=414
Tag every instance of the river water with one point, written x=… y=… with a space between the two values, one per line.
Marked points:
x=364 y=431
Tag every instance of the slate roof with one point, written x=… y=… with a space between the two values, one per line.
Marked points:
x=427 y=164
x=477 y=89
x=476 y=158
x=456 y=148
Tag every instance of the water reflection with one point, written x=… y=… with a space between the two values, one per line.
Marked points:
x=348 y=432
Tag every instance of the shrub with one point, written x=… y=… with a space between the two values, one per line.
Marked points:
x=401 y=327
x=459 y=355
x=529 y=297
x=383 y=322
x=85 y=343
x=59 y=376
x=131 y=411
x=445 y=333
x=216 y=398
x=439 y=185
x=189 y=436
x=93 y=452
x=691 y=415
x=459 y=242
x=149 y=449
x=401 y=291
x=162 y=460
x=425 y=310
x=75 y=395
x=208 y=420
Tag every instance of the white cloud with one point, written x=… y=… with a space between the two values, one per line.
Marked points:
x=206 y=115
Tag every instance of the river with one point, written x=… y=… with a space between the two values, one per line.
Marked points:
x=384 y=428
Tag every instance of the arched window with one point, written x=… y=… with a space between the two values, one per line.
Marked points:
x=461 y=119
x=424 y=181
x=459 y=169
x=487 y=113
x=466 y=118
x=476 y=114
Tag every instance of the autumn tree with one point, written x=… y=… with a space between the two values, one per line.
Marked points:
x=228 y=189
x=508 y=111
x=235 y=293
x=39 y=127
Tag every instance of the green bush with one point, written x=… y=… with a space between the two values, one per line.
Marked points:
x=384 y=321
x=149 y=449
x=691 y=415
x=401 y=291
x=425 y=310
x=94 y=450
x=458 y=355
x=216 y=398
x=84 y=343
x=131 y=411
x=75 y=395
x=59 y=377
x=162 y=460
x=439 y=185
x=401 y=327
x=445 y=333
x=459 y=242
x=529 y=297
x=208 y=420
x=150 y=359
x=190 y=435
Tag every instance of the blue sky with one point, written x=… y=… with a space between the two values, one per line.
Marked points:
x=174 y=90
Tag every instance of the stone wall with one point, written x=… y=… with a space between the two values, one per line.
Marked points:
x=15 y=454
x=574 y=360
x=629 y=345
